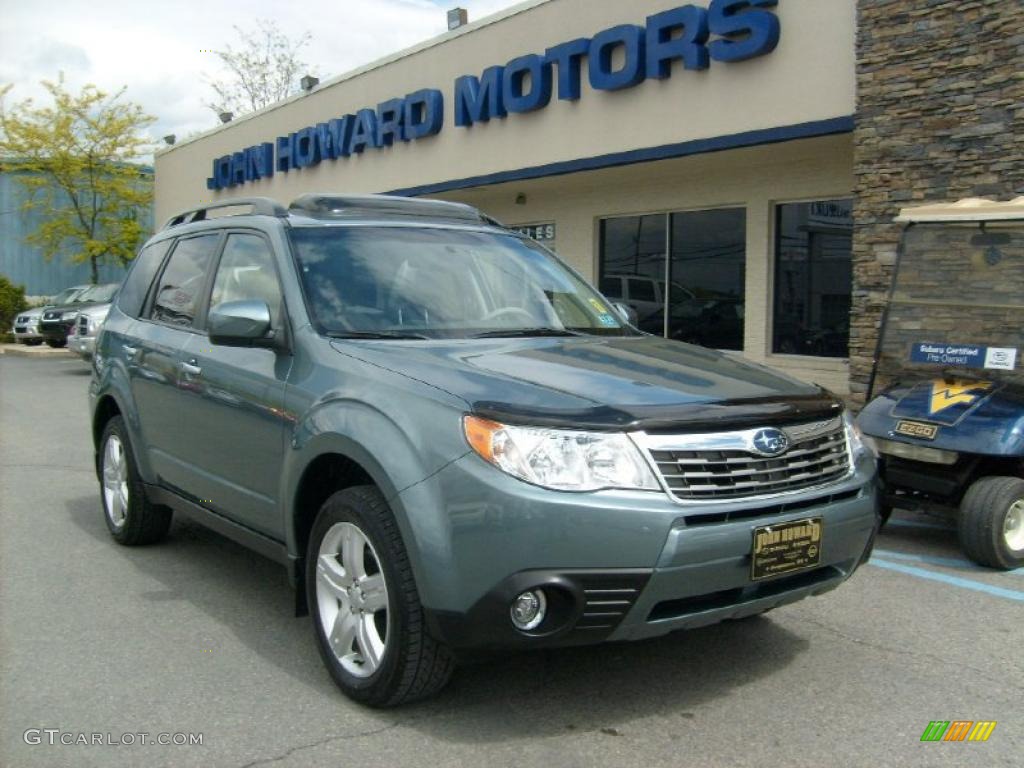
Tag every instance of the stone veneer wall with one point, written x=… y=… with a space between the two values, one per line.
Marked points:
x=940 y=116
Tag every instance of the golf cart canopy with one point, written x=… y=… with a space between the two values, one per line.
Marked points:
x=968 y=209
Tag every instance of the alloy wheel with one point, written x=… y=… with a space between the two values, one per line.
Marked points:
x=1013 y=527
x=352 y=599
x=115 y=481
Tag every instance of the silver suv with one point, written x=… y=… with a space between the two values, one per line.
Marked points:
x=453 y=442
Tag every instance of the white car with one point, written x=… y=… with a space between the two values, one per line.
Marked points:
x=88 y=323
x=26 y=324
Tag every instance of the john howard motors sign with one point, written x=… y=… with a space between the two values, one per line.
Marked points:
x=614 y=59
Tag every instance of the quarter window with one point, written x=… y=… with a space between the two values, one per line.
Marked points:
x=246 y=272
x=181 y=284
x=813 y=278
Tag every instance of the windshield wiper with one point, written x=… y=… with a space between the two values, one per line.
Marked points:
x=512 y=333
x=374 y=335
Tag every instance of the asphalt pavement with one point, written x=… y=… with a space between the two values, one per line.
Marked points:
x=196 y=637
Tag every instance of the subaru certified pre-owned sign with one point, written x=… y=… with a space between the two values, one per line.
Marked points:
x=617 y=58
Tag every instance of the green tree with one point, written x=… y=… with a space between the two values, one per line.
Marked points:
x=263 y=69
x=79 y=160
x=12 y=302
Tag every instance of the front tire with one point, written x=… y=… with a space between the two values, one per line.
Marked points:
x=366 y=612
x=130 y=517
x=991 y=523
x=54 y=344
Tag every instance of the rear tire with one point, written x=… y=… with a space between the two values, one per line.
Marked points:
x=991 y=522
x=55 y=344
x=366 y=612
x=130 y=517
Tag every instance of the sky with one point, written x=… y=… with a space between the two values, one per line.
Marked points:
x=159 y=51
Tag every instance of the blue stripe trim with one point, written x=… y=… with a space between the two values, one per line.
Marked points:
x=945 y=562
x=956 y=581
x=896 y=523
x=830 y=127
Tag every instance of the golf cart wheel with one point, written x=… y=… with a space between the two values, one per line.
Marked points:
x=991 y=523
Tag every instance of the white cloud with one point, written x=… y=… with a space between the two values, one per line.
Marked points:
x=158 y=51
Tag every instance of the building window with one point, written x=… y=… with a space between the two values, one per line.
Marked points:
x=708 y=277
x=813 y=278
x=702 y=254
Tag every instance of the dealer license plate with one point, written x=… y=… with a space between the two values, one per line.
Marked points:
x=785 y=548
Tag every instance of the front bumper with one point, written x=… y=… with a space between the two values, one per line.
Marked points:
x=56 y=331
x=23 y=333
x=696 y=570
x=84 y=346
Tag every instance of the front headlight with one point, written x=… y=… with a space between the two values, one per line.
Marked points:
x=564 y=460
x=859 y=444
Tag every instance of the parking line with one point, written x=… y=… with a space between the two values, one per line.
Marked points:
x=945 y=562
x=915 y=524
x=956 y=581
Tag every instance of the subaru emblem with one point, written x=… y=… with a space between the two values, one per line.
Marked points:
x=770 y=442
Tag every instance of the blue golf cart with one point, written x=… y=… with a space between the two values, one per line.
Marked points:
x=946 y=395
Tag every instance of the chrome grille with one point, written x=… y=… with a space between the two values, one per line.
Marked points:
x=726 y=466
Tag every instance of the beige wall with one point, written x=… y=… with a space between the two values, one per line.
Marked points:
x=810 y=76
x=756 y=178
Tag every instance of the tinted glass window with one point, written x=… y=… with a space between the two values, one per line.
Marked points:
x=247 y=272
x=612 y=287
x=642 y=290
x=813 y=278
x=136 y=285
x=635 y=245
x=708 y=268
x=181 y=284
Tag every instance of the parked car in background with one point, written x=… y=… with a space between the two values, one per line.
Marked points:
x=82 y=337
x=26 y=325
x=56 y=322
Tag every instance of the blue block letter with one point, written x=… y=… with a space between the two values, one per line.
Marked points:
x=307 y=153
x=390 y=117
x=424 y=114
x=539 y=95
x=286 y=152
x=631 y=39
x=568 y=57
x=478 y=100
x=690 y=47
x=364 y=131
x=747 y=32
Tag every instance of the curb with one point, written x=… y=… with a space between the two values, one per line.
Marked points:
x=21 y=350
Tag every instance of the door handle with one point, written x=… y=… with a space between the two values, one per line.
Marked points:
x=131 y=352
x=190 y=368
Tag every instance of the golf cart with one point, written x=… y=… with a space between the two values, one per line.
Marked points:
x=947 y=417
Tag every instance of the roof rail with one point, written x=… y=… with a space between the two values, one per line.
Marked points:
x=261 y=206
x=339 y=205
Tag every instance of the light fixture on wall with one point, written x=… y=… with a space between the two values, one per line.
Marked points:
x=170 y=138
x=457 y=17
x=520 y=199
x=309 y=82
x=226 y=117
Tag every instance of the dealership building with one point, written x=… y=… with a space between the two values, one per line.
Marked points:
x=729 y=168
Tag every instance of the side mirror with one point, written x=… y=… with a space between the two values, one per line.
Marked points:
x=240 y=324
x=627 y=313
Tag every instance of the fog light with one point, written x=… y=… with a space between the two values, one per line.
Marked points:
x=528 y=610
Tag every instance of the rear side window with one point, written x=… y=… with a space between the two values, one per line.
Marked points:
x=246 y=272
x=181 y=285
x=136 y=285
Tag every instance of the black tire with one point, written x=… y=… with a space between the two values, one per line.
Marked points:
x=143 y=522
x=33 y=342
x=414 y=665
x=56 y=344
x=983 y=514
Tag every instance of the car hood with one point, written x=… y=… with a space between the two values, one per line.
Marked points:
x=96 y=311
x=600 y=382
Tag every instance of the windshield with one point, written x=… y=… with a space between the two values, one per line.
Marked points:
x=101 y=294
x=66 y=296
x=957 y=306
x=443 y=283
